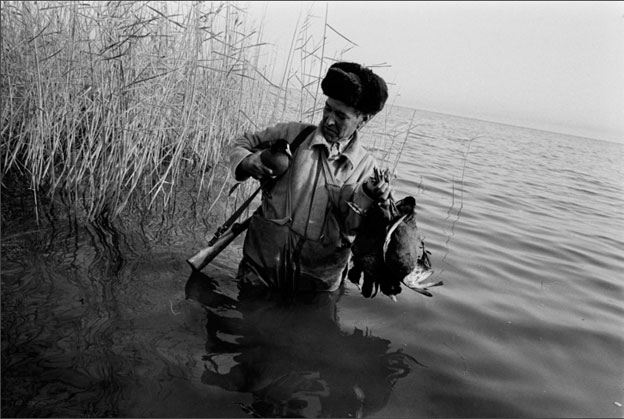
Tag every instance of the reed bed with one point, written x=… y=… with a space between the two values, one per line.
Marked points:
x=112 y=105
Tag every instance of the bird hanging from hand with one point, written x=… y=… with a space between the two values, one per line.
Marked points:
x=277 y=157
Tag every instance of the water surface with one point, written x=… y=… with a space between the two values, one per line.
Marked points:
x=526 y=230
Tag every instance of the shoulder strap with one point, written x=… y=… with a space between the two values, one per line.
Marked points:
x=302 y=136
x=293 y=147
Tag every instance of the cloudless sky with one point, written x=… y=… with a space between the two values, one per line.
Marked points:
x=557 y=66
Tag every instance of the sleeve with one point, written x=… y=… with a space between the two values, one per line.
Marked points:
x=251 y=142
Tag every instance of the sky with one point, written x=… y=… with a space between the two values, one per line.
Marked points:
x=557 y=66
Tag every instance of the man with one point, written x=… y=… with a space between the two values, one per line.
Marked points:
x=299 y=239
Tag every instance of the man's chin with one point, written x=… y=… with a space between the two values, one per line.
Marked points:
x=330 y=136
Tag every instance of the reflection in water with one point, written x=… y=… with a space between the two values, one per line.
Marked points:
x=292 y=356
x=59 y=316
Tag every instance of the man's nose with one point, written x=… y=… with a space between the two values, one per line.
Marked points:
x=330 y=120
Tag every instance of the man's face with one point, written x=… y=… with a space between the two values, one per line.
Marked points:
x=339 y=120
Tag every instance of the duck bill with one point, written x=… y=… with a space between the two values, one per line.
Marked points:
x=417 y=279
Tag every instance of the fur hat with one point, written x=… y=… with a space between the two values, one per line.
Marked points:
x=356 y=86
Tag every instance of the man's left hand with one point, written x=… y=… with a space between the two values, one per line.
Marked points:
x=378 y=186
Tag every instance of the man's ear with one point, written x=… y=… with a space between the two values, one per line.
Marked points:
x=365 y=119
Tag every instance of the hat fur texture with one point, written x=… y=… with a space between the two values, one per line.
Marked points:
x=356 y=86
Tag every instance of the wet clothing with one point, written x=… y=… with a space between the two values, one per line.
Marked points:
x=299 y=238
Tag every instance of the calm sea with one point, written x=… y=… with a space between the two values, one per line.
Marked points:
x=526 y=230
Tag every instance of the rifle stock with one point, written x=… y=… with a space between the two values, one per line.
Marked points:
x=204 y=256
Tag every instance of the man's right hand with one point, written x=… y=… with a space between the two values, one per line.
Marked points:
x=252 y=166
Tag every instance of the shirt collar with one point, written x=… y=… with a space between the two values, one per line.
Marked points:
x=352 y=149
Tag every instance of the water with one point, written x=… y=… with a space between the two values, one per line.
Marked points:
x=526 y=230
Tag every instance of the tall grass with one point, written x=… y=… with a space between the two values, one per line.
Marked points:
x=114 y=104
x=111 y=103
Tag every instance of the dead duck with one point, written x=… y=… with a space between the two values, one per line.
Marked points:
x=277 y=157
x=388 y=251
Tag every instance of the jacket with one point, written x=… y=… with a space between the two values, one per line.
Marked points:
x=299 y=238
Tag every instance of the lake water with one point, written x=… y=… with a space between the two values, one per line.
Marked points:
x=526 y=230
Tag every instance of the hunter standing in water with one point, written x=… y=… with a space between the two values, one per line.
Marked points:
x=299 y=239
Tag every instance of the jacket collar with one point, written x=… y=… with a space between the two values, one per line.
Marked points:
x=352 y=150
